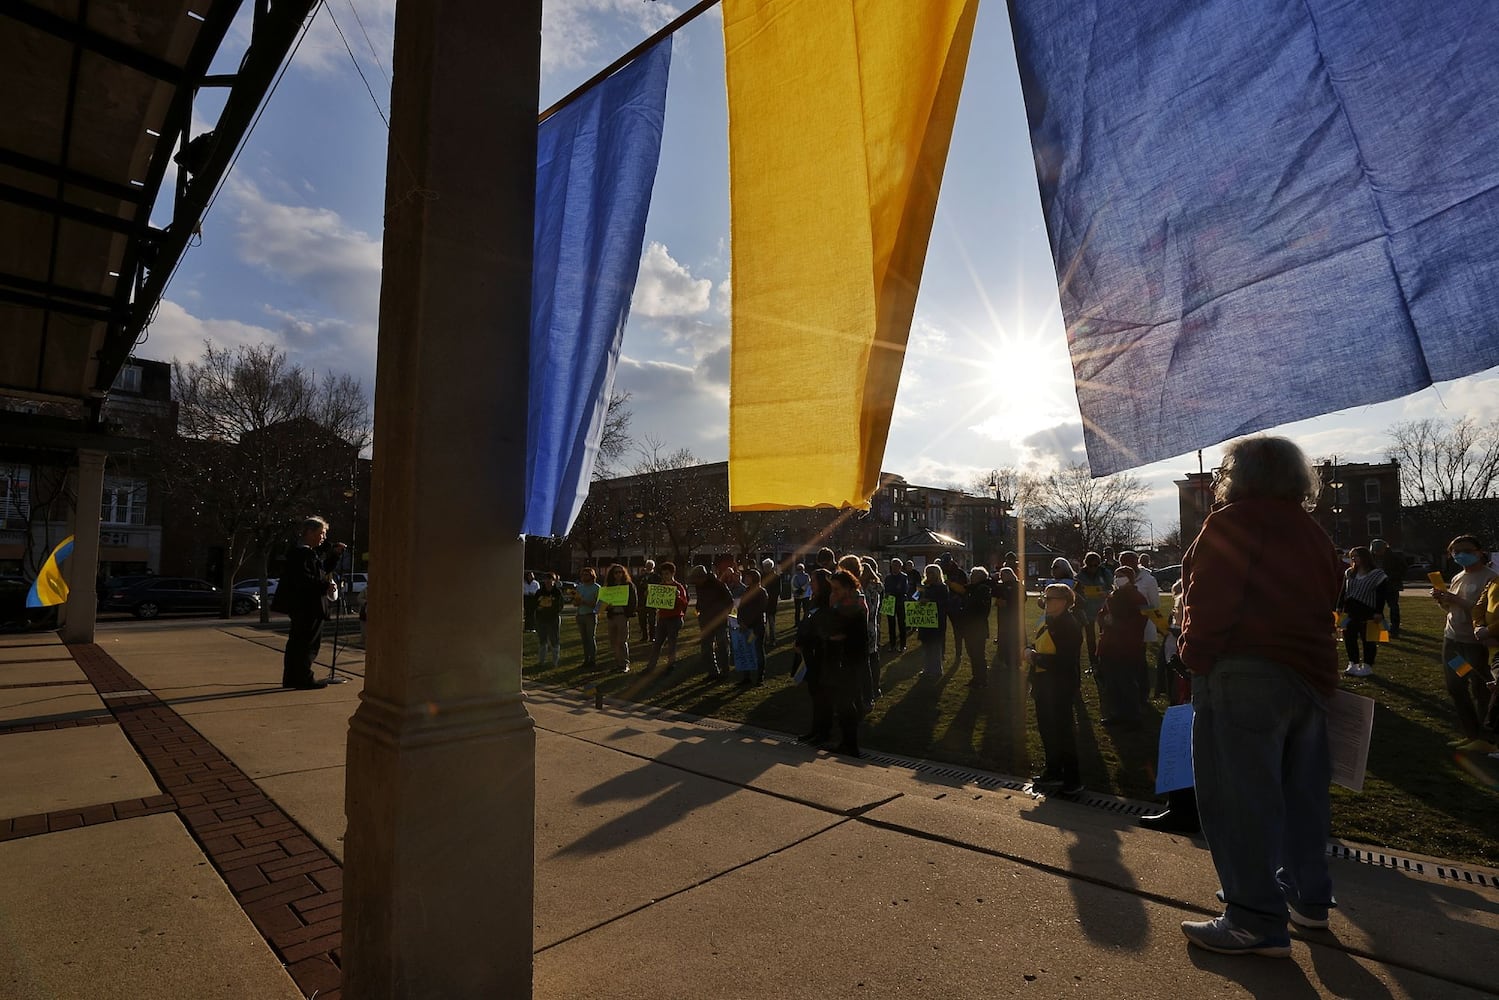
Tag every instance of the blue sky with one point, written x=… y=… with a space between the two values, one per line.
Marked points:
x=291 y=255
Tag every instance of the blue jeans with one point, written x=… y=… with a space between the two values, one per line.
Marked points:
x=1262 y=769
x=588 y=626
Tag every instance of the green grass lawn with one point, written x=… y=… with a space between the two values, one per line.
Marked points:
x=1418 y=796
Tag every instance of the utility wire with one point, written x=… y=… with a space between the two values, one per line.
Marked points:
x=374 y=53
x=357 y=68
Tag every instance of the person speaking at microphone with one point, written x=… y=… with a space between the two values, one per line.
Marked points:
x=302 y=593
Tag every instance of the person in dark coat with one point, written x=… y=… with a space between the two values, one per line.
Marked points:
x=752 y=611
x=844 y=678
x=809 y=660
x=770 y=582
x=299 y=594
x=1056 y=677
x=714 y=604
x=974 y=625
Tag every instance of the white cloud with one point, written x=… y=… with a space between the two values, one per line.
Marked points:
x=176 y=334
x=678 y=404
x=666 y=288
x=312 y=248
x=578 y=34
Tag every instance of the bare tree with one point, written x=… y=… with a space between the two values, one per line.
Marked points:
x=261 y=442
x=616 y=439
x=1441 y=461
x=674 y=500
x=1070 y=508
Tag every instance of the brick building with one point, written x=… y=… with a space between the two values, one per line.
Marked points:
x=683 y=515
x=1359 y=502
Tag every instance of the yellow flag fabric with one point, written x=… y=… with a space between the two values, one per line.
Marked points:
x=840 y=115
x=50 y=587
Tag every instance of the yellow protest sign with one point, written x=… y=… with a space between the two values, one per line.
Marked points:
x=921 y=615
x=661 y=596
x=617 y=596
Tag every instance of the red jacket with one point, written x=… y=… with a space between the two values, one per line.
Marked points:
x=1262 y=580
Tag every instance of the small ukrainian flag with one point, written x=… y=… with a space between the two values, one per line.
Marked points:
x=50 y=587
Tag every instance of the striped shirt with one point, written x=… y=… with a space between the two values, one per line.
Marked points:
x=1364 y=587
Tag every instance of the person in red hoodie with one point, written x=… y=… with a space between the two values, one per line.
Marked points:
x=668 y=620
x=1258 y=590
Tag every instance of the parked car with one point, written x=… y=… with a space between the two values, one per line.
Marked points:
x=1167 y=576
x=253 y=587
x=14 y=614
x=157 y=595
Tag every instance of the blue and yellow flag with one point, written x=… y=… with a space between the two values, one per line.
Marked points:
x=50 y=587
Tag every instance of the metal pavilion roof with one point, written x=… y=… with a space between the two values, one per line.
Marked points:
x=96 y=100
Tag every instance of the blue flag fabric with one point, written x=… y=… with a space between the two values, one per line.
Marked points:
x=595 y=166
x=1263 y=210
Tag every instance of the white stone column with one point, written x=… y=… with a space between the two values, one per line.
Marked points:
x=438 y=875
x=82 y=567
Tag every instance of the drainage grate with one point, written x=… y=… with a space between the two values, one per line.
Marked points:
x=993 y=782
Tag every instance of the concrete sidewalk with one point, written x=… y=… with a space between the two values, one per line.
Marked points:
x=175 y=822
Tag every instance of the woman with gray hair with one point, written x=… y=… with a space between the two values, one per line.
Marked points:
x=1259 y=587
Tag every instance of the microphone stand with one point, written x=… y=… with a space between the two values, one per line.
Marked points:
x=333 y=677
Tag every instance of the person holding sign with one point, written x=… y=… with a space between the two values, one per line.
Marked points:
x=669 y=599
x=931 y=607
x=617 y=598
x=1362 y=604
x=1258 y=590
x=897 y=592
x=1462 y=654
x=1055 y=659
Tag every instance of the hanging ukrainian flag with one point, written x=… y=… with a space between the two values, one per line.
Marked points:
x=840 y=113
x=50 y=588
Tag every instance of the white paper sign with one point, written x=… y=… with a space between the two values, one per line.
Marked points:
x=1350 y=727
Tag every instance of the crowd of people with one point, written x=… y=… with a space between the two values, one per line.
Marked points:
x=1245 y=641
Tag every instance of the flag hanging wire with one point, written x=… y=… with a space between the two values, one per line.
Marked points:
x=682 y=19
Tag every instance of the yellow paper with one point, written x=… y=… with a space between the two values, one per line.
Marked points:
x=840 y=114
x=1438 y=582
x=1375 y=632
x=1044 y=643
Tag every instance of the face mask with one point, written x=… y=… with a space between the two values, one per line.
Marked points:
x=1465 y=559
x=1121 y=581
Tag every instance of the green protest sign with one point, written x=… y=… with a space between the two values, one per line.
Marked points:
x=921 y=615
x=661 y=596
x=887 y=606
x=615 y=596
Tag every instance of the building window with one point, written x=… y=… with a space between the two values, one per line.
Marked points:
x=124 y=501
x=1376 y=525
x=129 y=379
x=15 y=495
x=1371 y=491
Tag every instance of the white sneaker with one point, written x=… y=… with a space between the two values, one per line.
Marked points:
x=1359 y=670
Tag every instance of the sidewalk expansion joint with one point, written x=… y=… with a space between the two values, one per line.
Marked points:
x=695 y=885
x=289 y=887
